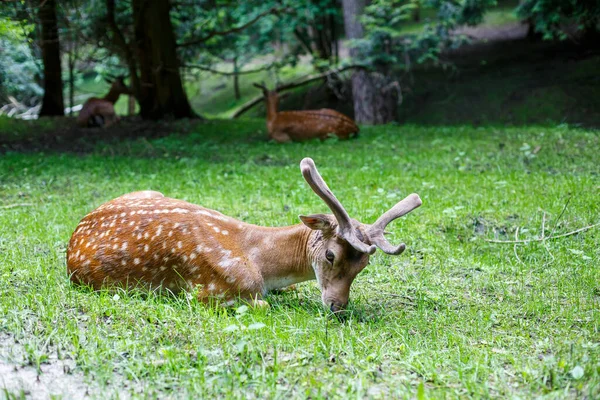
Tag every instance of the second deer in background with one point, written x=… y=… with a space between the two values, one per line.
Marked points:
x=285 y=126
x=101 y=111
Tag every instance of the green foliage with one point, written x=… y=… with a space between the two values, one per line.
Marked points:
x=454 y=317
x=554 y=19
x=19 y=68
x=388 y=45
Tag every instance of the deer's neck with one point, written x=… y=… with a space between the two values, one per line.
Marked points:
x=272 y=104
x=280 y=254
x=112 y=96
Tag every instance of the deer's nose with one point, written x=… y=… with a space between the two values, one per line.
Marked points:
x=337 y=307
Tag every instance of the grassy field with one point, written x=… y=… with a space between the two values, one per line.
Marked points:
x=455 y=316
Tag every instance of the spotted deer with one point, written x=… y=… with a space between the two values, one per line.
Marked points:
x=285 y=126
x=146 y=238
x=101 y=111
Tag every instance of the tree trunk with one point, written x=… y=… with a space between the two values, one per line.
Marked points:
x=236 y=79
x=374 y=96
x=161 y=89
x=52 y=103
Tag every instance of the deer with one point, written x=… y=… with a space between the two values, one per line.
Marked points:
x=286 y=126
x=101 y=111
x=144 y=238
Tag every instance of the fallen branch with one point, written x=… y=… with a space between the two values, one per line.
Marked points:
x=541 y=239
x=293 y=85
x=227 y=73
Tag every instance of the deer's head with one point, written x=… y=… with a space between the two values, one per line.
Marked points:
x=271 y=96
x=117 y=85
x=341 y=246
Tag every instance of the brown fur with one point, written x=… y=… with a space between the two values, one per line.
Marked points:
x=102 y=107
x=285 y=126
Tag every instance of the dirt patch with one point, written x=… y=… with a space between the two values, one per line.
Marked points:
x=54 y=378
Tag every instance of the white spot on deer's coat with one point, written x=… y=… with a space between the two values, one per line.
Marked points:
x=124 y=246
x=115 y=246
x=175 y=225
x=192 y=255
x=162 y=268
x=212 y=287
x=155 y=256
x=268 y=242
x=123 y=214
x=136 y=261
x=216 y=229
x=170 y=233
x=179 y=244
x=86 y=263
x=230 y=279
x=159 y=230
x=146 y=235
x=173 y=250
x=185 y=258
x=123 y=262
x=131 y=223
x=146 y=248
x=225 y=233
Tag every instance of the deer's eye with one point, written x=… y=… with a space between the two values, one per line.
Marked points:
x=329 y=256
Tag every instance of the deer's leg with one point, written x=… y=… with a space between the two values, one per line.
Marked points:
x=291 y=288
x=281 y=137
x=110 y=119
x=229 y=300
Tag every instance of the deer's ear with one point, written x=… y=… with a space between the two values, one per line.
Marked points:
x=317 y=222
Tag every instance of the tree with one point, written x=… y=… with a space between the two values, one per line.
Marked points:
x=52 y=103
x=151 y=57
x=375 y=98
x=560 y=19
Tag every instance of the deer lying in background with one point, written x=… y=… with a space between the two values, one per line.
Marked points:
x=146 y=238
x=285 y=126
x=101 y=111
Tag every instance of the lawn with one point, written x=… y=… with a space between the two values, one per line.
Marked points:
x=455 y=316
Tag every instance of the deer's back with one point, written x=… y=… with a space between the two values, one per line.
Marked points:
x=156 y=241
x=95 y=106
x=309 y=124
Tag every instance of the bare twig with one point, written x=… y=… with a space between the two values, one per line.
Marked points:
x=560 y=215
x=227 y=73
x=539 y=239
x=8 y=206
x=515 y=246
x=543 y=236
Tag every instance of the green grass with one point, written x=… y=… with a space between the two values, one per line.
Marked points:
x=453 y=317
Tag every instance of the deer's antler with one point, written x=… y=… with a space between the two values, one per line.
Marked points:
x=376 y=231
x=345 y=228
